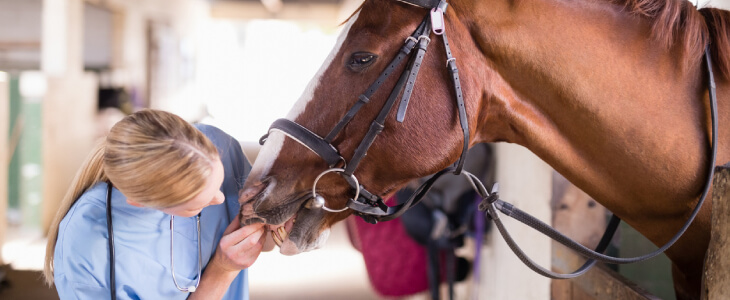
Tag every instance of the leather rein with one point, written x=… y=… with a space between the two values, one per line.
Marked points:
x=372 y=208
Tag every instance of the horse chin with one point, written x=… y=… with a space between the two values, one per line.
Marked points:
x=294 y=245
x=305 y=231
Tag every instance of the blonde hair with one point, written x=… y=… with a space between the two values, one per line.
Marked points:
x=154 y=157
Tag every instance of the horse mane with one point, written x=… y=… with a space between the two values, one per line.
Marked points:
x=678 y=21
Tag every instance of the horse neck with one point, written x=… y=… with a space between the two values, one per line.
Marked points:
x=582 y=86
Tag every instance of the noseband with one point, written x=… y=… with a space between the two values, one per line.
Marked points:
x=365 y=204
x=372 y=208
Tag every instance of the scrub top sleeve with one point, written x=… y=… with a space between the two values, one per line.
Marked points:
x=83 y=291
x=83 y=275
x=80 y=286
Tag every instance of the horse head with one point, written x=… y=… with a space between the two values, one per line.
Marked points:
x=429 y=138
x=612 y=94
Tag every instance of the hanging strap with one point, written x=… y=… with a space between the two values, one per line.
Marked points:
x=463 y=120
x=423 y=41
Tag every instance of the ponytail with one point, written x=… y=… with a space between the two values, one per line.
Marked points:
x=90 y=173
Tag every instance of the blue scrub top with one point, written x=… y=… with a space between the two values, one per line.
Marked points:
x=142 y=240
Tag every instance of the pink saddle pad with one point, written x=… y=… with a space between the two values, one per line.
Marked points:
x=396 y=264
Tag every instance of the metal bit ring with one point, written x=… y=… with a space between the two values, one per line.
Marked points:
x=338 y=170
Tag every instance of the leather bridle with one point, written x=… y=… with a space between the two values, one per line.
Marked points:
x=365 y=204
x=371 y=207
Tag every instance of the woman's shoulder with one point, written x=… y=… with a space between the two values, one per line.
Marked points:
x=234 y=160
x=215 y=134
x=83 y=228
x=92 y=201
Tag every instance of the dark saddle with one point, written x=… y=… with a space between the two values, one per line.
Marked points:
x=447 y=215
x=421 y=244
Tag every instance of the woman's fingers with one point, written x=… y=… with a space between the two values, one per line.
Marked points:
x=236 y=236
x=241 y=247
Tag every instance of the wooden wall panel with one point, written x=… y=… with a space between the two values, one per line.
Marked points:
x=4 y=157
x=69 y=124
x=717 y=263
x=525 y=181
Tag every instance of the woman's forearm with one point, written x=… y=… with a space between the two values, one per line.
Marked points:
x=214 y=282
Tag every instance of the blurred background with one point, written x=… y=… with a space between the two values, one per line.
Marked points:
x=72 y=68
x=69 y=69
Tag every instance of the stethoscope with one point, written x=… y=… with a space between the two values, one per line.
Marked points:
x=110 y=231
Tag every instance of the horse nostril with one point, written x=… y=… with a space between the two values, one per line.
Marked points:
x=251 y=192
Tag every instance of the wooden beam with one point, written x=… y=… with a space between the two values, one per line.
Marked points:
x=20 y=45
x=716 y=281
x=274 y=6
x=69 y=112
x=4 y=158
x=62 y=37
x=245 y=10
x=600 y=283
x=525 y=181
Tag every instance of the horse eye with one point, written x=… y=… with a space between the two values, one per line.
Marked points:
x=359 y=61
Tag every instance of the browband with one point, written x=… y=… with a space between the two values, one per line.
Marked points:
x=424 y=3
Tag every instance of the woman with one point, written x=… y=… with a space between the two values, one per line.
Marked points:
x=155 y=167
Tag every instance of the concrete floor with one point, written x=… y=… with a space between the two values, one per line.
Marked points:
x=336 y=271
x=24 y=251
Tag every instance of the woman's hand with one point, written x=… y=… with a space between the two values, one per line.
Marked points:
x=239 y=247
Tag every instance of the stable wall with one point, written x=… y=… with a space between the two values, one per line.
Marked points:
x=526 y=182
x=153 y=51
x=69 y=106
x=68 y=116
x=4 y=157
x=68 y=101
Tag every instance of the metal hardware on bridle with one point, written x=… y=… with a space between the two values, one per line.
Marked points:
x=317 y=200
x=369 y=206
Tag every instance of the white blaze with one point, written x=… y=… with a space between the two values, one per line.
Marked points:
x=270 y=151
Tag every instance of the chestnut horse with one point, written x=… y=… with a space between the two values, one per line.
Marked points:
x=611 y=93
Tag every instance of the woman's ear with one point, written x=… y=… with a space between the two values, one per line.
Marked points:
x=133 y=203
